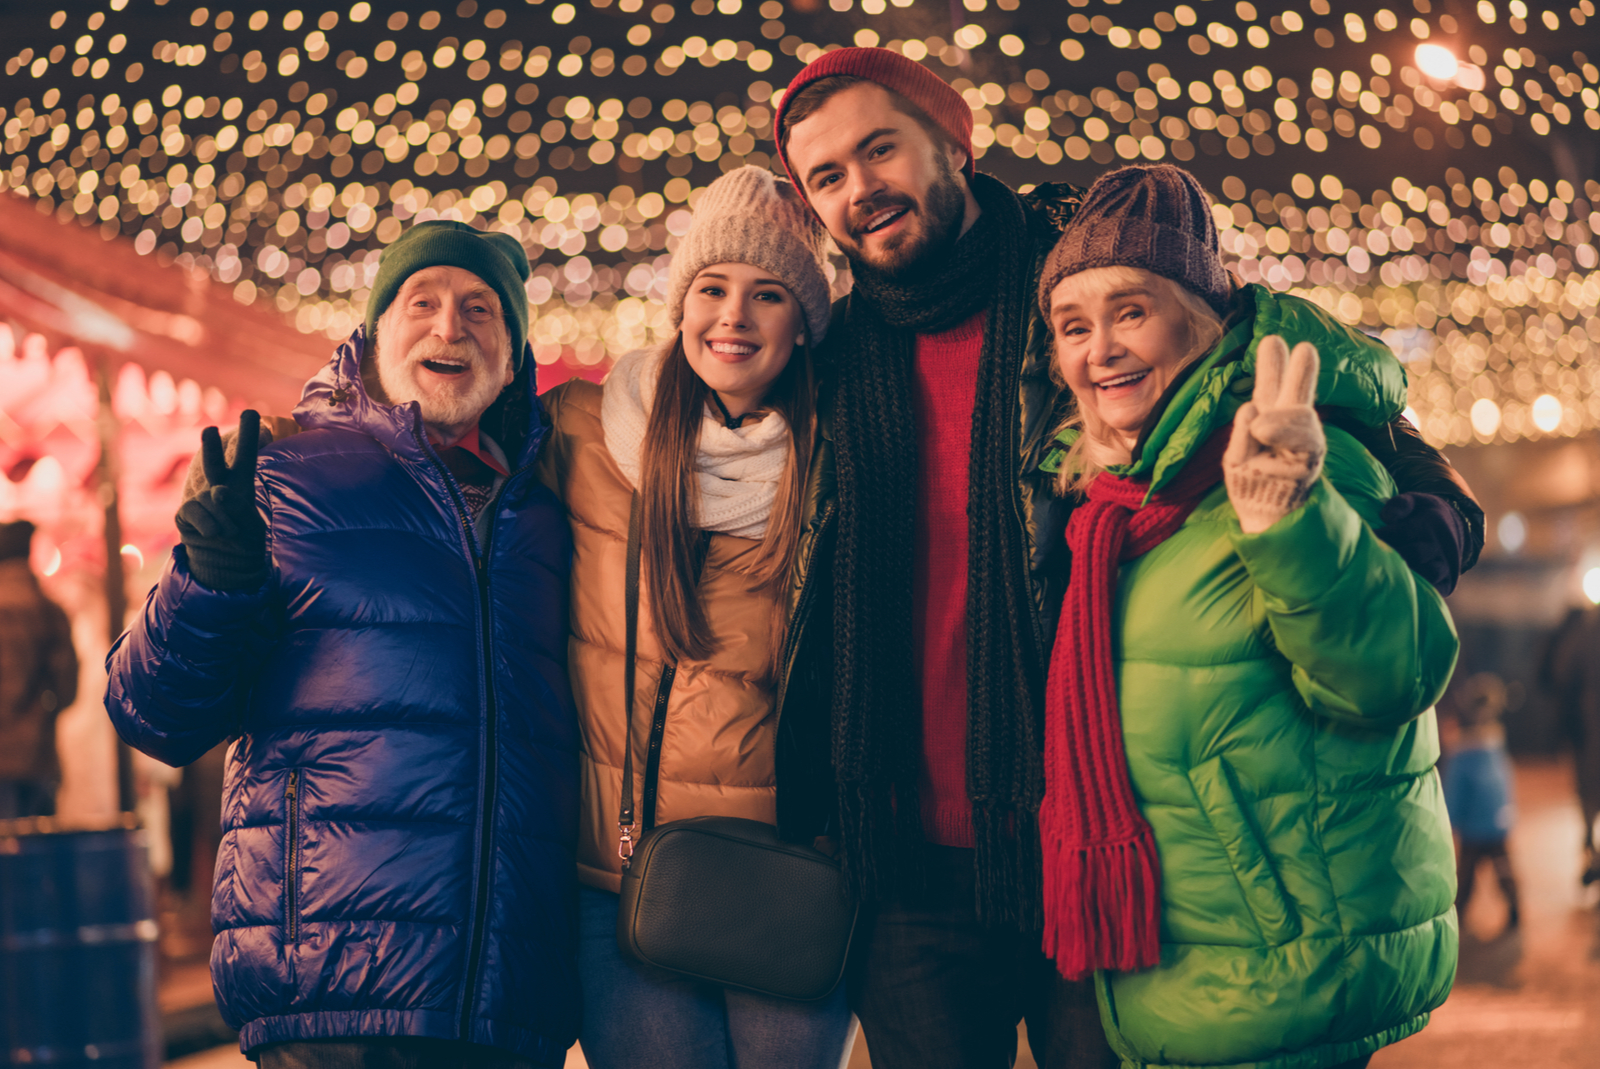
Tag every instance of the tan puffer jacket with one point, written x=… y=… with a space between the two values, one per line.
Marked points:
x=718 y=737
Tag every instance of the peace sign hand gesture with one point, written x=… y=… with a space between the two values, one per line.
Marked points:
x=1275 y=454
x=220 y=526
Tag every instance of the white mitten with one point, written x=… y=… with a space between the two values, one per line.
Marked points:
x=1275 y=454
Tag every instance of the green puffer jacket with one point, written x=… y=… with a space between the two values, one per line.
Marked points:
x=1275 y=693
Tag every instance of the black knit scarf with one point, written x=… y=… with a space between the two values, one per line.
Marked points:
x=877 y=712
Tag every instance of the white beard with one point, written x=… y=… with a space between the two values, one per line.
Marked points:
x=445 y=406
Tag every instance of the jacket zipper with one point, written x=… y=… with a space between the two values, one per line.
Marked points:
x=1020 y=515
x=802 y=610
x=491 y=765
x=291 y=857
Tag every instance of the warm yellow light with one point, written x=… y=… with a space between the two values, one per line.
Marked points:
x=1547 y=413
x=1437 y=61
x=1485 y=416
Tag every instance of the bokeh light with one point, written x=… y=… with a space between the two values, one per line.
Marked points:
x=1437 y=61
x=1450 y=212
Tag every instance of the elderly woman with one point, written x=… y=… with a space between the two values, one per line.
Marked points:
x=1244 y=836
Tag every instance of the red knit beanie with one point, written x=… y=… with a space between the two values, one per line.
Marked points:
x=893 y=71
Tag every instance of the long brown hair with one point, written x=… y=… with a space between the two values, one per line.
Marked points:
x=669 y=495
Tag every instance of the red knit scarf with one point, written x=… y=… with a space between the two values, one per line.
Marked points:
x=1102 y=878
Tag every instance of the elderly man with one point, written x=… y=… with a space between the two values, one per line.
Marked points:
x=376 y=608
x=912 y=704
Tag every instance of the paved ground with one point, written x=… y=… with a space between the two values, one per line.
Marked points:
x=1529 y=998
x=1525 y=999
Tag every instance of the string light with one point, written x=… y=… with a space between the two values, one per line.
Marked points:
x=280 y=153
x=1437 y=62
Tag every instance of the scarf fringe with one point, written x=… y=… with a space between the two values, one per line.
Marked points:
x=887 y=862
x=1008 y=859
x=1102 y=904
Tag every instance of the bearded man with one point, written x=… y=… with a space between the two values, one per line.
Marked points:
x=376 y=610
x=933 y=566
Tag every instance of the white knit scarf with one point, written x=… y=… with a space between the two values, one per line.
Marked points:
x=738 y=468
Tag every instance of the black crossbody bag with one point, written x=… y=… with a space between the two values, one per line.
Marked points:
x=722 y=899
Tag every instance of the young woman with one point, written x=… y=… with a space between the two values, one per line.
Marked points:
x=713 y=432
x=1244 y=836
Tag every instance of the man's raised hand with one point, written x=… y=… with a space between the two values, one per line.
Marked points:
x=220 y=527
x=1275 y=454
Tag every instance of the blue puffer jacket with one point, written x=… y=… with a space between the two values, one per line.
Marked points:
x=400 y=811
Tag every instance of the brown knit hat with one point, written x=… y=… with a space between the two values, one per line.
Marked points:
x=893 y=71
x=750 y=216
x=1154 y=216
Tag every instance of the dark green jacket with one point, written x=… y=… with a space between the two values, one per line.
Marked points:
x=1275 y=692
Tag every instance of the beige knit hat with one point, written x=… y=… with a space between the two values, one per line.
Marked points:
x=750 y=216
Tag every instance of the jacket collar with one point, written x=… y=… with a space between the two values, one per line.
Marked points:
x=337 y=399
x=1357 y=373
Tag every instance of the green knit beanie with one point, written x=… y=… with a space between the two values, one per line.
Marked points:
x=496 y=258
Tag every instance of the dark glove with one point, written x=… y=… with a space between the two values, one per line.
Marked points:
x=1429 y=533
x=220 y=526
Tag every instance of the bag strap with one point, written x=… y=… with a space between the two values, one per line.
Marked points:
x=625 y=818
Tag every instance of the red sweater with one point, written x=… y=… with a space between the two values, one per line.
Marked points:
x=946 y=384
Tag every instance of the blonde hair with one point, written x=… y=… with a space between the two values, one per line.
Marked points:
x=1092 y=453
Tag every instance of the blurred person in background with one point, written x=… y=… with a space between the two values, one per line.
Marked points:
x=1571 y=671
x=376 y=610
x=1244 y=836
x=711 y=435
x=38 y=678
x=1478 y=790
x=927 y=614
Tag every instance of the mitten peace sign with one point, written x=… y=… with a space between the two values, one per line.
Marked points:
x=220 y=526
x=1275 y=454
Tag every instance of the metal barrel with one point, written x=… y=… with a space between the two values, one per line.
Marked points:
x=77 y=950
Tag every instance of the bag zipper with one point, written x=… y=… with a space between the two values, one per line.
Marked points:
x=291 y=854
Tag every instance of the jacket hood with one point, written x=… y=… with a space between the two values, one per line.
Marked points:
x=336 y=398
x=1358 y=374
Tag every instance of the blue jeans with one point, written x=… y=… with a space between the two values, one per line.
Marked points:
x=639 y=1018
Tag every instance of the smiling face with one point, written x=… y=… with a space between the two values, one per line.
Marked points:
x=443 y=343
x=1122 y=335
x=887 y=190
x=740 y=326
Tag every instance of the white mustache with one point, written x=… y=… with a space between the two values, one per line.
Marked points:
x=465 y=351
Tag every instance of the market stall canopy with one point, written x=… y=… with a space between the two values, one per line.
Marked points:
x=73 y=287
